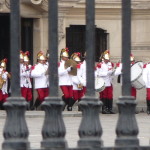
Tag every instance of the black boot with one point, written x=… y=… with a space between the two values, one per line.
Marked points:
x=66 y=102
x=37 y=104
x=104 y=107
x=71 y=103
x=31 y=107
x=110 y=104
x=148 y=107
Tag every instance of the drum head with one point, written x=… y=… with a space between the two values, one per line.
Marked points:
x=99 y=84
x=136 y=70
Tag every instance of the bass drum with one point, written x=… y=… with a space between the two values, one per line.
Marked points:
x=137 y=75
x=99 y=84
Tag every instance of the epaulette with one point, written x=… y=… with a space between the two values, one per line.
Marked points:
x=78 y=65
x=118 y=64
x=33 y=67
x=99 y=65
x=144 y=66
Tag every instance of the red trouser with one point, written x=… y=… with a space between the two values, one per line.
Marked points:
x=67 y=91
x=107 y=93
x=77 y=94
x=42 y=93
x=148 y=94
x=26 y=93
x=3 y=96
x=133 y=92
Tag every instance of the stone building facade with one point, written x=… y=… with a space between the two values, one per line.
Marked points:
x=72 y=28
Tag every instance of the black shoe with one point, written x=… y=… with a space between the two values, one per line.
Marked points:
x=69 y=108
x=111 y=112
x=105 y=111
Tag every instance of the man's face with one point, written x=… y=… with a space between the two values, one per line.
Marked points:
x=64 y=58
x=42 y=61
x=106 y=60
x=21 y=61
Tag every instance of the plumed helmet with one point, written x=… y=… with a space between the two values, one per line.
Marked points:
x=64 y=52
x=76 y=56
x=21 y=54
x=106 y=55
x=131 y=57
x=41 y=56
x=3 y=63
x=26 y=56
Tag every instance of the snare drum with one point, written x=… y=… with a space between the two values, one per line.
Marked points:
x=99 y=84
x=136 y=75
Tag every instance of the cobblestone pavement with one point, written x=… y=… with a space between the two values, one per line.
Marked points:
x=72 y=121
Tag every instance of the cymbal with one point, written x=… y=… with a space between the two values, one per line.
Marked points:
x=73 y=64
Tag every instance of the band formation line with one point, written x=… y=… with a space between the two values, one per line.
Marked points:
x=72 y=79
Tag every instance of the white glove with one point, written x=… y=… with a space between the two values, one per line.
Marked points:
x=69 y=69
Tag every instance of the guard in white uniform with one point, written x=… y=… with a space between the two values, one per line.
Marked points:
x=65 y=81
x=38 y=72
x=104 y=70
x=77 y=85
x=4 y=76
x=26 y=86
x=81 y=73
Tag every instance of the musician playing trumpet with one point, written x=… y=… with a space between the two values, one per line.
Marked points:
x=104 y=69
x=4 y=76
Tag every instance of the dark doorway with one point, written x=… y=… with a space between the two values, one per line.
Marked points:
x=5 y=38
x=75 y=40
x=27 y=36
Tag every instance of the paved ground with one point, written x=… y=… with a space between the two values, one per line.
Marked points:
x=72 y=122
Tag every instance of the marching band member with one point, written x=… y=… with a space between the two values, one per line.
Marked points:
x=65 y=81
x=104 y=70
x=146 y=78
x=81 y=73
x=118 y=72
x=4 y=76
x=77 y=86
x=26 y=86
x=38 y=72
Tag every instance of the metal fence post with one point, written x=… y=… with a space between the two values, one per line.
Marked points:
x=53 y=130
x=90 y=129
x=15 y=129
x=127 y=129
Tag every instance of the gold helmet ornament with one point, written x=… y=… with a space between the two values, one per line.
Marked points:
x=3 y=63
x=64 y=52
x=106 y=55
x=40 y=56
x=21 y=54
x=76 y=56
x=131 y=57
x=26 y=56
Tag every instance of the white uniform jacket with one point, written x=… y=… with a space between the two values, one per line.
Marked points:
x=75 y=83
x=81 y=73
x=146 y=75
x=64 y=77
x=5 y=78
x=38 y=73
x=25 y=79
x=118 y=70
x=105 y=70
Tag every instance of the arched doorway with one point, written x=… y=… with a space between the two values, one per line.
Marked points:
x=75 y=40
